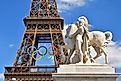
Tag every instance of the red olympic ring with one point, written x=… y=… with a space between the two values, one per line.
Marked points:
x=56 y=52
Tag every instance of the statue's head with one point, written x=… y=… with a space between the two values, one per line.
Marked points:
x=82 y=21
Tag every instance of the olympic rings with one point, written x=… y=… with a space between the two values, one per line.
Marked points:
x=39 y=51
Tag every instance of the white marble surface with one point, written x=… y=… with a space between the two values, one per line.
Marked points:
x=86 y=69
x=85 y=72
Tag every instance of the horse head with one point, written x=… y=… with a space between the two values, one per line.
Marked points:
x=72 y=28
x=108 y=36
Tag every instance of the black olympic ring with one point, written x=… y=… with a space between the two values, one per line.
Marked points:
x=43 y=54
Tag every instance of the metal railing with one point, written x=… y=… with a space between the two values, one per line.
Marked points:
x=31 y=69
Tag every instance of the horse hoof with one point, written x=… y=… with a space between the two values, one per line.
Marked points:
x=68 y=62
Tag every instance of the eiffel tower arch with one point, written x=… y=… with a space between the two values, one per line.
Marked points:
x=42 y=32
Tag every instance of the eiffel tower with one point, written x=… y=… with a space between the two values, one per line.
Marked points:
x=42 y=33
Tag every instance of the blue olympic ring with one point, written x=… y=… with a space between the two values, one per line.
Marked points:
x=30 y=47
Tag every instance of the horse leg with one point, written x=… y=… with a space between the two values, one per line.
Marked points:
x=96 y=57
x=62 y=54
x=62 y=50
x=106 y=56
x=98 y=51
x=69 y=56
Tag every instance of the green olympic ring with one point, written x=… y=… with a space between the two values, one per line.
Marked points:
x=50 y=57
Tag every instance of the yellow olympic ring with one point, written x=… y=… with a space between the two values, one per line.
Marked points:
x=34 y=54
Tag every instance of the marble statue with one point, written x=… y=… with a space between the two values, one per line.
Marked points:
x=77 y=36
x=80 y=40
x=99 y=40
x=79 y=62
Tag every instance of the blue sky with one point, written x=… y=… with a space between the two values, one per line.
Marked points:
x=104 y=15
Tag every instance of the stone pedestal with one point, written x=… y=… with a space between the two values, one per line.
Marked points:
x=85 y=72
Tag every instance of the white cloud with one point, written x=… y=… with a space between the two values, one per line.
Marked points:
x=114 y=52
x=64 y=5
x=64 y=32
x=90 y=26
x=11 y=45
x=1 y=76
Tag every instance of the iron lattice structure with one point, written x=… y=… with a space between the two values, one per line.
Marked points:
x=42 y=25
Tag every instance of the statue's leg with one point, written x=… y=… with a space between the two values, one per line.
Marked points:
x=69 y=56
x=85 y=50
x=79 y=50
x=89 y=53
x=62 y=54
x=106 y=56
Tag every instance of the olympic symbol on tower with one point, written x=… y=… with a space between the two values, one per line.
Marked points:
x=41 y=53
